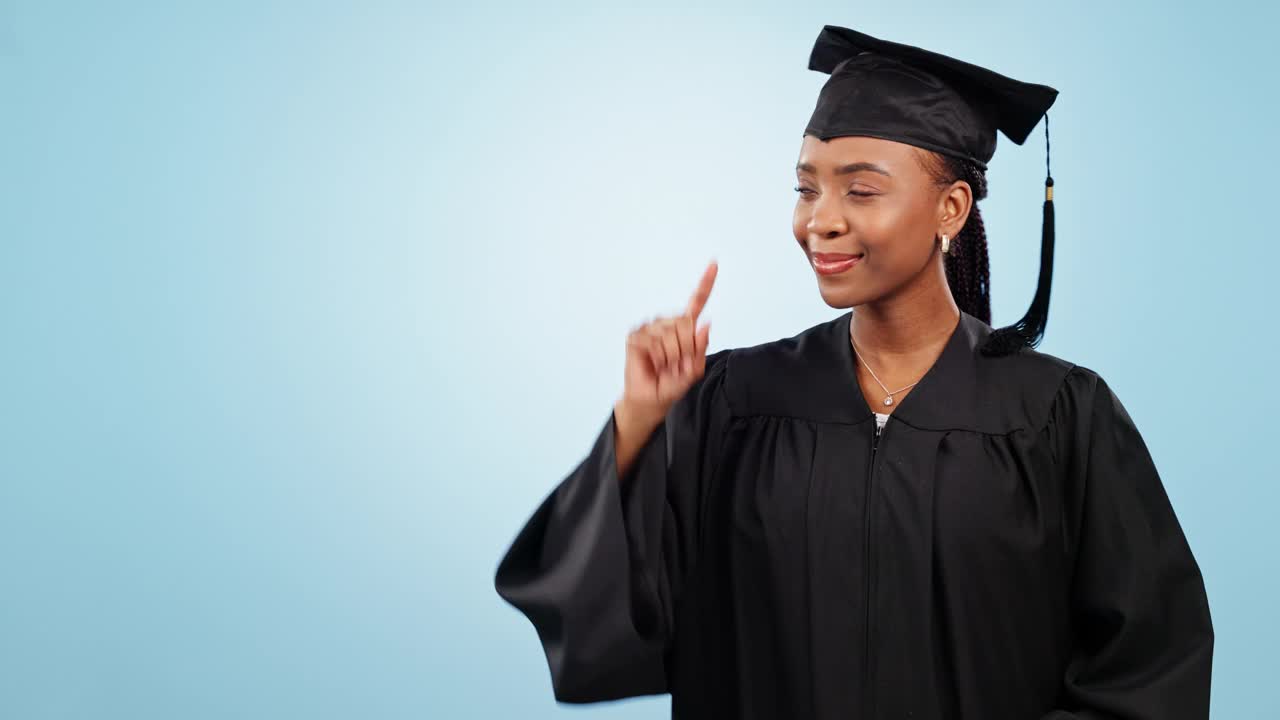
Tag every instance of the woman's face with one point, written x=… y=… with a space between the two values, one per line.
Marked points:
x=870 y=198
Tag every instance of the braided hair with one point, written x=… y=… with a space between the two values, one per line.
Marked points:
x=967 y=265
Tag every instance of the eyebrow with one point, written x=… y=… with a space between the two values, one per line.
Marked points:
x=850 y=168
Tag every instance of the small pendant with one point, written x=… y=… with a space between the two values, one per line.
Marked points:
x=888 y=400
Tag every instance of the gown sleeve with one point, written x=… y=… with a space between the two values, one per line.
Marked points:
x=1143 y=634
x=599 y=565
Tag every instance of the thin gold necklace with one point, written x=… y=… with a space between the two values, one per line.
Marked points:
x=888 y=395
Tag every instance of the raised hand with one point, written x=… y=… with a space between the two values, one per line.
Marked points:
x=667 y=355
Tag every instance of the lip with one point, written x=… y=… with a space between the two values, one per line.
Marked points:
x=833 y=263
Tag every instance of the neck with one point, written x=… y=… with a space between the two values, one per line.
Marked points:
x=901 y=337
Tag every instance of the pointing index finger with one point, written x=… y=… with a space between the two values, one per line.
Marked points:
x=699 y=298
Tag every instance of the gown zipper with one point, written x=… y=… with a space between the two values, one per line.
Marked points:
x=871 y=474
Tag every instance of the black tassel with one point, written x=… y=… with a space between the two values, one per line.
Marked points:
x=1029 y=331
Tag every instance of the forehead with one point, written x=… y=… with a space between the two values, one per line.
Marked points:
x=825 y=156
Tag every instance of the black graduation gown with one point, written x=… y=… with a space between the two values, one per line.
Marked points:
x=1008 y=551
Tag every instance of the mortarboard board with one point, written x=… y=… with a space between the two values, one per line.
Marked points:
x=907 y=94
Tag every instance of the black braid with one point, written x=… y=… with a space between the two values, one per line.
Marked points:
x=967 y=265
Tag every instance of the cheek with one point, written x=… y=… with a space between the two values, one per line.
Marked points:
x=878 y=231
x=883 y=227
x=883 y=220
x=895 y=230
x=800 y=229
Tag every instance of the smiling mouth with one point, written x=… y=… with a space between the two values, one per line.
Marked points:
x=834 y=263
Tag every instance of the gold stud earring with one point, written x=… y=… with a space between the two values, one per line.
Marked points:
x=946 y=244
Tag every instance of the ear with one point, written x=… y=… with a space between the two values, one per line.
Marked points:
x=953 y=208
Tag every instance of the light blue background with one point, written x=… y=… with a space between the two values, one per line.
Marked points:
x=306 y=306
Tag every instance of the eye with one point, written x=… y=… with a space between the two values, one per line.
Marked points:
x=862 y=194
x=804 y=191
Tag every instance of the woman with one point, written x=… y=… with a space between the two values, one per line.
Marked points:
x=898 y=513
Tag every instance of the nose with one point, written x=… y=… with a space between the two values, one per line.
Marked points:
x=826 y=221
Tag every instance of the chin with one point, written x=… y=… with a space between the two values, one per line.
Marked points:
x=839 y=298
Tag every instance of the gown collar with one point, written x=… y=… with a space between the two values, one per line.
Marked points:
x=947 y=396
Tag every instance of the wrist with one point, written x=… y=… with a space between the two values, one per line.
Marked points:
x=630 y=416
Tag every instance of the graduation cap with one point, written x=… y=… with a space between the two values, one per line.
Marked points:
x=907 y=94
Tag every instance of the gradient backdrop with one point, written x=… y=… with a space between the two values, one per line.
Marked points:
x=306 y=306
